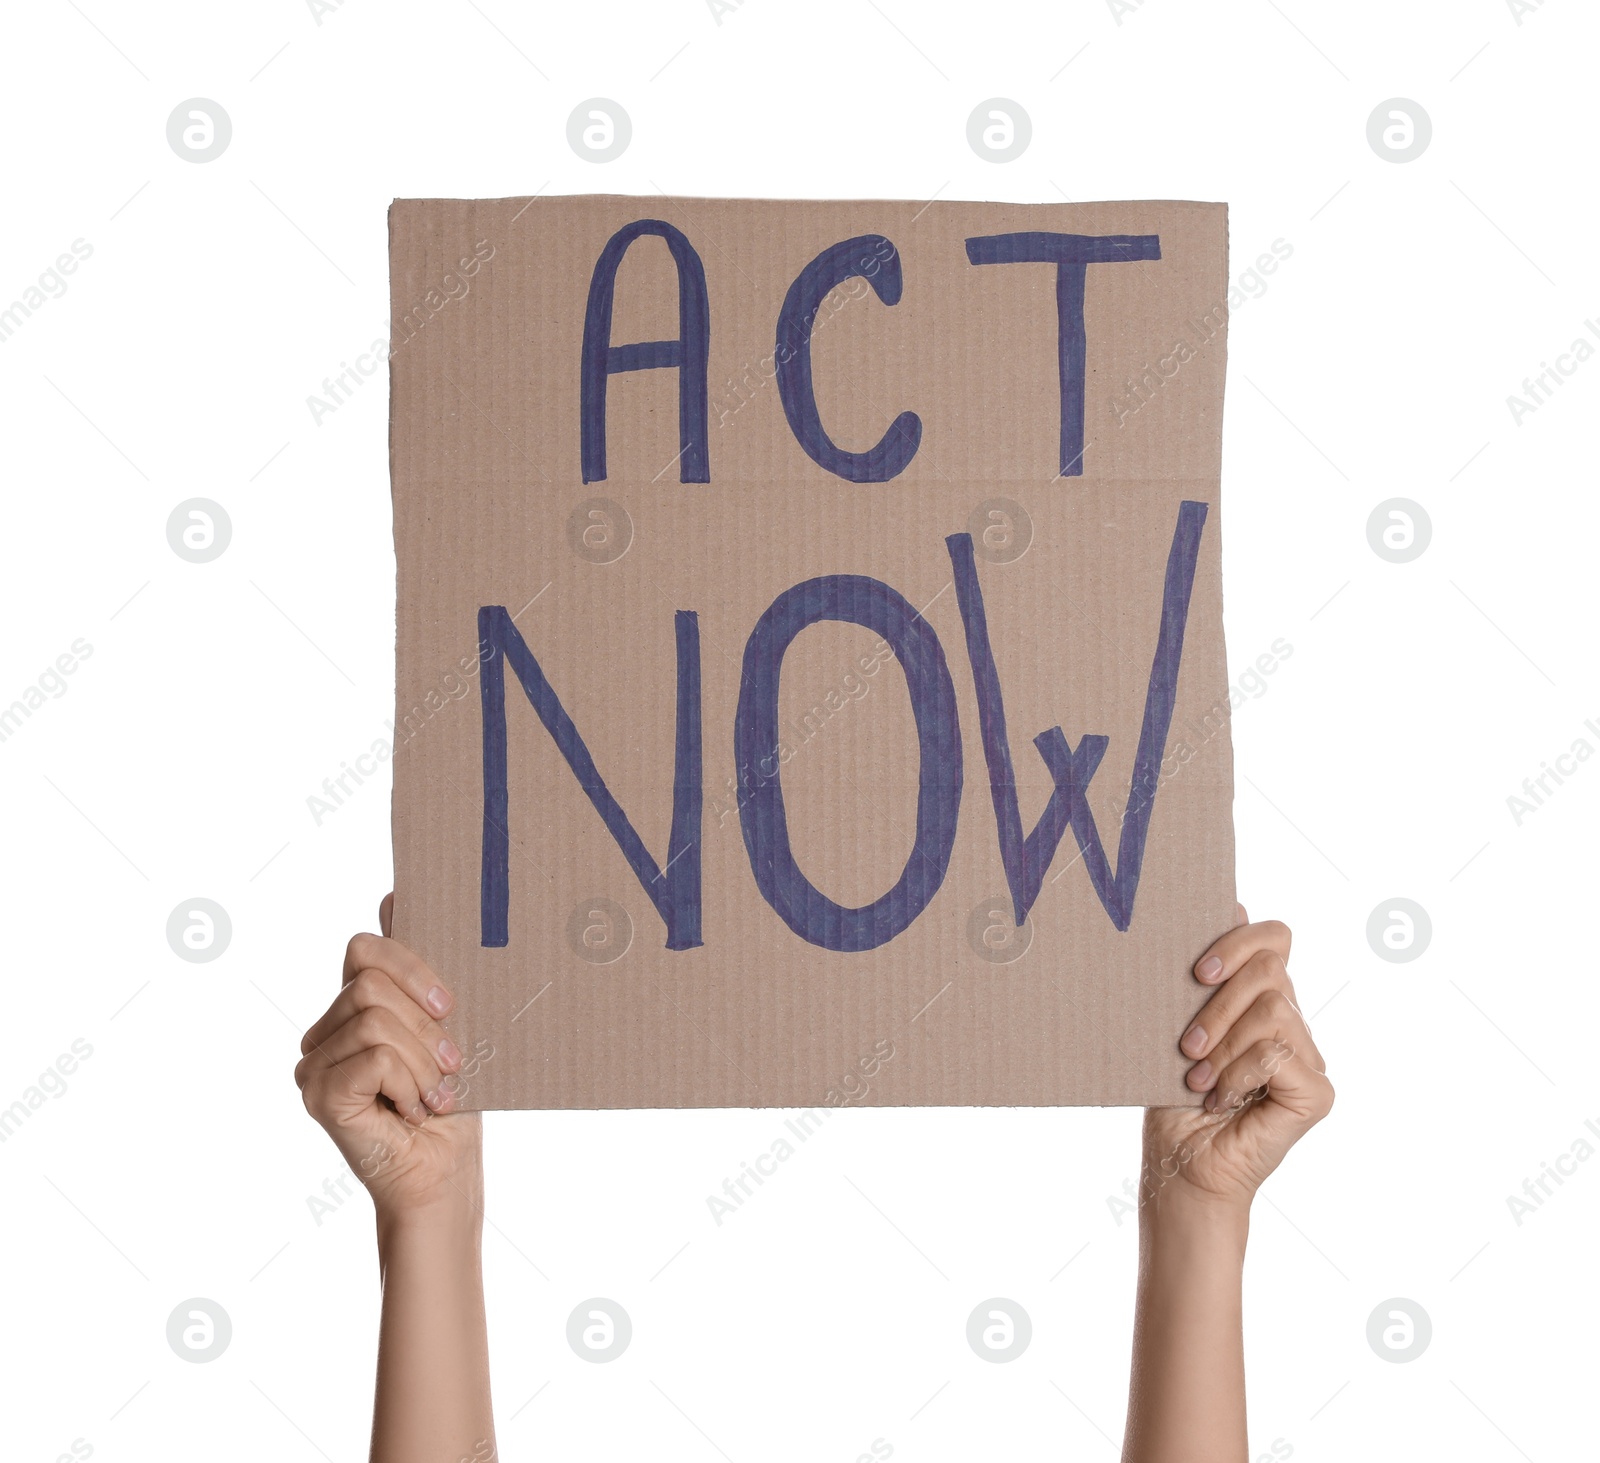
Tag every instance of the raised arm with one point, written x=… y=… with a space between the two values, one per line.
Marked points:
x=381 y=1074
x=1265 y=1087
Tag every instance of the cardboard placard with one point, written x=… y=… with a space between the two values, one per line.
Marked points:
x=810 y=682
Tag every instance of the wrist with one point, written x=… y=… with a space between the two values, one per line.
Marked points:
x=1176 y=1215
x=453 y=1220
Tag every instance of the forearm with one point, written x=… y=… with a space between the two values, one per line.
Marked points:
x=1186 y=1391
x=432 y=1403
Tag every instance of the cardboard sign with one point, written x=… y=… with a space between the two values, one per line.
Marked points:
x=811 y=684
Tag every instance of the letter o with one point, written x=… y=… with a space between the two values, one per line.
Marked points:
x=856 y=600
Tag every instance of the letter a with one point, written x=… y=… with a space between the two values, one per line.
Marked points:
x=689 y=352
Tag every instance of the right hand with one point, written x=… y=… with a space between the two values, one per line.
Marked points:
x=380 y=1074
x=1265 y=1082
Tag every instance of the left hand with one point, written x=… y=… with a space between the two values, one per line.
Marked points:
x=1265 y=1081
x=382 y=1076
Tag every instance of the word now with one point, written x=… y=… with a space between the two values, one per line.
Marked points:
x=674 y=887
x=871 y=257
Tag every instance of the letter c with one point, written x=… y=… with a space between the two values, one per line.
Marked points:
x=873 y=258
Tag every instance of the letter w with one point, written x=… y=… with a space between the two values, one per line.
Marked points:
x=1026 y=860
x=675 y=889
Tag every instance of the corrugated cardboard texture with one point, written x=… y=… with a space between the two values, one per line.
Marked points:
x=584 y=1006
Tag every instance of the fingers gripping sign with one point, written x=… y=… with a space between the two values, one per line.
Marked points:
x=380 y=1072
x=1264 y=1079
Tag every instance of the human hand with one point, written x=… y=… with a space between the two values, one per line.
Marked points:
x=1262 y=1074
x=382 y=1076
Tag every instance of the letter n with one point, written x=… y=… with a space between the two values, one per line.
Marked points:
x=674 y=889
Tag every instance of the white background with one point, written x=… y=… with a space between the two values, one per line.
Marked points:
x=831 y=1310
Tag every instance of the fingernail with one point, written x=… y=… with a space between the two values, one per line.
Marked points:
x=1209 y=968
x=448 y=1054
x=1211 y=1100
x=1200 y=1076
x=433 y=1099
x=1194 y=1040
x=438 y=1000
